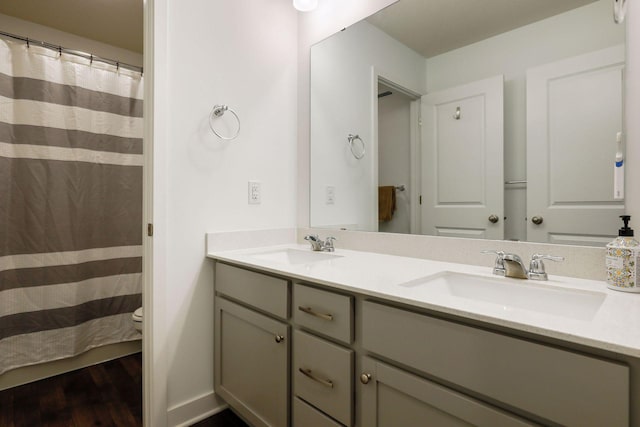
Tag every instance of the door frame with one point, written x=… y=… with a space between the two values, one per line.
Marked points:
x=414 y=148
x=155 y=117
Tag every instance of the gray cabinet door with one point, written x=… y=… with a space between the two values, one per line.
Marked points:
x=251 y=364
x=392 y=397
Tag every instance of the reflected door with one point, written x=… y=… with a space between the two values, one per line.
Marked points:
x=462 y=161
x=574 y=111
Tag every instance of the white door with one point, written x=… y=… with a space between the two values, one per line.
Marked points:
x=574 y=111
x=462 y=161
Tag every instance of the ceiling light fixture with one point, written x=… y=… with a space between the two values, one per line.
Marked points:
x=305 y=5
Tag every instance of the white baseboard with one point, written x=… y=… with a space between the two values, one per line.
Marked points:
x=197 y=409
x=27 y=374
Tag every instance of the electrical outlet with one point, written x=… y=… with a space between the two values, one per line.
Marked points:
x=330 y=198
x=255 y=196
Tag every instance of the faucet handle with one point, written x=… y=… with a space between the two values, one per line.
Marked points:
x=328 y=244
x=536 y=266
x=314 y=240
x=498 y=268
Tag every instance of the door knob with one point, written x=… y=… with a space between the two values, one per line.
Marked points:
x=365 y=378
x=537 y=220
x=494 y=218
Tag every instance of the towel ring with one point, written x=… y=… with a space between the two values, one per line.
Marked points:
x=352 y=138
x=218 y=111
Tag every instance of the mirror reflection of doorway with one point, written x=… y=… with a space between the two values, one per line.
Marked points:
x=394 y=158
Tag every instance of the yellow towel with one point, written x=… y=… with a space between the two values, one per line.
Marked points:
x=386 y=202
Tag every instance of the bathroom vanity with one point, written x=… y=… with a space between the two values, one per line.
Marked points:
x=354 y=338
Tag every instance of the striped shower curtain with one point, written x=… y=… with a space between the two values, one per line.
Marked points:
x=70 y=204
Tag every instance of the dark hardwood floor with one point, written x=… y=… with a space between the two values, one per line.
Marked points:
x=225 y=418
x=105 y=395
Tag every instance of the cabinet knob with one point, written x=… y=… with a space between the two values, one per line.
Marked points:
x=279 y=338
x=365 y=378
x=537 y=220
x=494 y=218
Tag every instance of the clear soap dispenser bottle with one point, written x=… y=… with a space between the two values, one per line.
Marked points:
x=622 y=260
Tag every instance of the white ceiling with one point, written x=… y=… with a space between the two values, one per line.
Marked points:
x=115 y=22
x=429 y=27
x=432 y=27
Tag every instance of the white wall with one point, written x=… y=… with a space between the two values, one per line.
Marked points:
x=344 y=102
x=394 y=156
x=19 y=27
x=241 y=53
x=579 y=31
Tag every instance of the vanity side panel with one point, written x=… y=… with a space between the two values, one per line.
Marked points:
x=561 y=386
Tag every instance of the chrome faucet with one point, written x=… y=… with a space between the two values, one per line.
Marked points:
x=511 y=265
x=318 y=245
x=514 y=267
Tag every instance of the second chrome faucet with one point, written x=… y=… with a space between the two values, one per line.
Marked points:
x=511 y=265
x=317 y=244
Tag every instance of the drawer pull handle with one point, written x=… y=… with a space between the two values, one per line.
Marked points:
x=310 y=311
x=365 y=378
x=279 y=338
x=308 y=373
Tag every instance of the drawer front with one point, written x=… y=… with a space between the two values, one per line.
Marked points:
x=561 y=386
x=392 y=397
x=259 y=290
x=305 y=415
x=322 y=375
x=324 y=312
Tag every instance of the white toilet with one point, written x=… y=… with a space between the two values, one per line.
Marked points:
x=137 y=319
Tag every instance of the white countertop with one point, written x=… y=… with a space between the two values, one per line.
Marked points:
x=614 y=327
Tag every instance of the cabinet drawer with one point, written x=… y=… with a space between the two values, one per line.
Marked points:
x=259 y=290
x=561 y=386
x=392 y=397
x=324 y=312
x=305 y=415
x=322 y=375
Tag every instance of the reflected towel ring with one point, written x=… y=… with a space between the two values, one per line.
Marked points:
x=619 y=11
x=218 y=111
x=351 y=138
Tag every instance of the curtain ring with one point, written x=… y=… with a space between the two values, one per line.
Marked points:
x=352 y=138
x=217 y=112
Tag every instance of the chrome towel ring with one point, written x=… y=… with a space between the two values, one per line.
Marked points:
x=217 y=112
x=358 y=154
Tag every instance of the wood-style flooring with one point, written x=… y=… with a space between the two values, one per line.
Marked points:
x=105 y=395
x=225 y=418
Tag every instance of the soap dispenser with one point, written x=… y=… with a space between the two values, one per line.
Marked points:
x=622 y=260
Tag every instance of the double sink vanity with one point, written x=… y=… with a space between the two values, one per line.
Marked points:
x=348 y=338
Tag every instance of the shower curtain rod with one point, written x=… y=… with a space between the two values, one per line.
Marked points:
x=62 y=50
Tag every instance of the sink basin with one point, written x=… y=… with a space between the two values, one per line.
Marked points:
x=294 y=256
x=511 y=294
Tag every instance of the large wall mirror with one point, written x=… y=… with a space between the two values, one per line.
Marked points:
x=481 y=119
